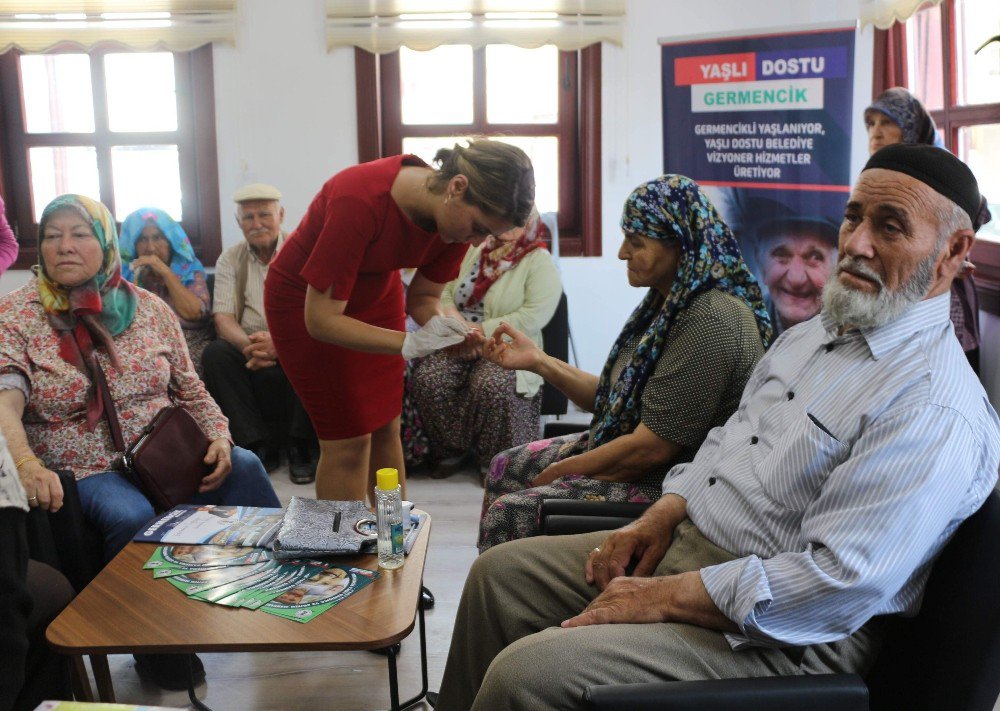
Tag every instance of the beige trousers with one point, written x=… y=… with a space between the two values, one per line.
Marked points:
x=508 y=651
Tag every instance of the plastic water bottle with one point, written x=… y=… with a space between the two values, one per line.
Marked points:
x=389 y=515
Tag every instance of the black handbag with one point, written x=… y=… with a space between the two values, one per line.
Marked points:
x=167 y=460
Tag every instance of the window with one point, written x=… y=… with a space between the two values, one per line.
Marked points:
x=934 y=55
x=543 y=100
x=129 y=128
x=961 y=88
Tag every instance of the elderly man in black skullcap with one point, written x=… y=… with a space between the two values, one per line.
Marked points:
x=862 y=441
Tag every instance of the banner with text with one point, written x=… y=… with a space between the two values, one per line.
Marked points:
x=764 y=123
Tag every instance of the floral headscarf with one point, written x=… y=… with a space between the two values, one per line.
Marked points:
x=183 y=263
x=909 y=114
x=97 y=310
x=671 y=208
x=499 y=257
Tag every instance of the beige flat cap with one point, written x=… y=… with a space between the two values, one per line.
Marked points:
x=256 y=191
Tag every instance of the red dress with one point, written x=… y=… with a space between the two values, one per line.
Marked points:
x=354 y=238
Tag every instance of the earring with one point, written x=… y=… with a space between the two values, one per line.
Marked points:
x=447 y=199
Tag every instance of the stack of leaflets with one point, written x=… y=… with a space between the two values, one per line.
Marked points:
x=219 y=525
x=251 y=578
x=234 y=526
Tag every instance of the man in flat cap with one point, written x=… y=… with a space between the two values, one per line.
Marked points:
x=862 y=441
x=241 y=367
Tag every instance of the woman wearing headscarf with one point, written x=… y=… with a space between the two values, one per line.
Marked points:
x=76 y=319
x=676 y=370
x=897 y=116
x=465 y=402
x=157 y=255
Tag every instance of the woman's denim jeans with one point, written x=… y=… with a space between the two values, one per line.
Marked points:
x=119 y=509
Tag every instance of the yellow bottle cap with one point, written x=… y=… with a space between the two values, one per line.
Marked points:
x=386 y=479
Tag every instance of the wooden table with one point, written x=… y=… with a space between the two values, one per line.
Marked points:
x=124 y=610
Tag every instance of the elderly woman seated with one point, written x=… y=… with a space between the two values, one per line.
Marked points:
x=74 y=321
x=157 y=255
x=466 y=403
x=676 y=370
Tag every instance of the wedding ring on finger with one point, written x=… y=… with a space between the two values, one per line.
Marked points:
x=33 y=499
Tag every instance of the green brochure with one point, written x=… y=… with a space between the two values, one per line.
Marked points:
x=290 y=575
x=230 y=593
x=319 y=593
x=199 y=580
x=177 y=560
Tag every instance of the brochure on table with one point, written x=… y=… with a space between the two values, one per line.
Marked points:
x=218 y=525
x=299 y=590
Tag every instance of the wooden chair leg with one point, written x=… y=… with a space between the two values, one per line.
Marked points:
x=102 y=675
x=82 y=690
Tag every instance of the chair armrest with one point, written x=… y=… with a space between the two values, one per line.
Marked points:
x=565 y=516
x=822 y=692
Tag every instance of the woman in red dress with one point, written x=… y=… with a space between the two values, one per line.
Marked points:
x=335 y=303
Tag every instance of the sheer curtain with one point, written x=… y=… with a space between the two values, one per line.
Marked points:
x=176 y=25
x=882 y=13
x=381 y=26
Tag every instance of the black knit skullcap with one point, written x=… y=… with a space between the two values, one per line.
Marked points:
x=934 y=167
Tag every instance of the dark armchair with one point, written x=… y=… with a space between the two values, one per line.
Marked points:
x=555 y=340
x=947 y=657
x=65 y=539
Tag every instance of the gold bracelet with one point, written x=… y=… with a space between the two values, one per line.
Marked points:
x=25 y=460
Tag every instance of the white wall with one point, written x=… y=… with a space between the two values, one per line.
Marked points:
x=284 y=107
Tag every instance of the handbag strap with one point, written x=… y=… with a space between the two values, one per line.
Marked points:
x=109 y=408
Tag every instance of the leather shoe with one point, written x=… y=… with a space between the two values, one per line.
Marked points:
x=268 y=456
x=427 y=598
x=301 y=465
x=170 y=671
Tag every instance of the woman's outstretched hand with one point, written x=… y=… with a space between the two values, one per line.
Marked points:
x=516 y=352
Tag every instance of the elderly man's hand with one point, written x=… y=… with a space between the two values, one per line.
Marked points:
x=42 y=486
x=628 y=601
x=260 y=353
x=669 y=598
x=219 y=454
x=645 y=540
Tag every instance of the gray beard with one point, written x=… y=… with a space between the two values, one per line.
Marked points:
x=862 y=310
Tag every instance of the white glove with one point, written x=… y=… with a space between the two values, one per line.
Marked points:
x=440 y=332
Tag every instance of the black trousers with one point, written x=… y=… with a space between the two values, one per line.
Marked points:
x=31 y=595
x=261 y=405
